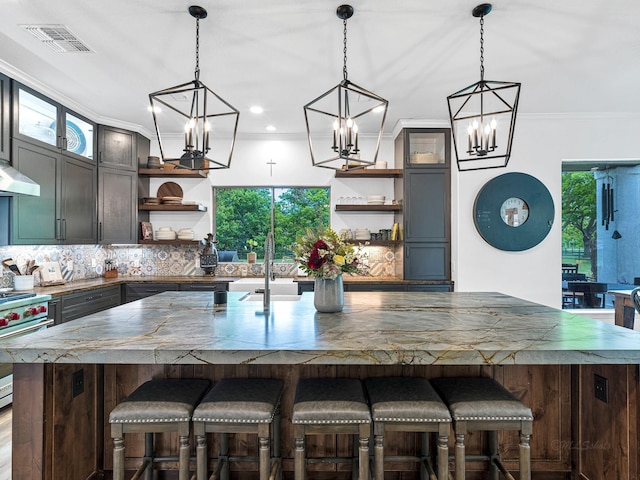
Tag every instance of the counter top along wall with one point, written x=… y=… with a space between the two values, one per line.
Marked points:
x=374 y=329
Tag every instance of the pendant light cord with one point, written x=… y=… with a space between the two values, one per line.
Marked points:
x=197 y=72
x=344 y=68
x=482 y=48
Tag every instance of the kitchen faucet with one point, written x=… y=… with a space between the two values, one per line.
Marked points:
x=269 y=272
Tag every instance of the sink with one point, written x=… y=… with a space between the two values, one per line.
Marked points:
x=279 y=286
x=257 y=297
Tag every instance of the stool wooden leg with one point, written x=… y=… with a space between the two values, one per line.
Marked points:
x=443 y=455
x=224 y=456
x=183 y=454
x=148 y=456
x=459 y=455
x=363 y=451
x=264 y=451
x=493 y=454
x=201 y=457
x=118 y=458
x=378 y=456
x=525 y=457
x=299 y=455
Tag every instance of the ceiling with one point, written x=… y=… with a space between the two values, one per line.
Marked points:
x=575 y=57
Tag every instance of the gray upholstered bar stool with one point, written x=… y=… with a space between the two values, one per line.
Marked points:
x=331 y=406
x=162 y=405
x=240 y=405
x=409 y=404
x=482 y=404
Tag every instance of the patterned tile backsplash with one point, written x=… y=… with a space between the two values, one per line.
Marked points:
x=78 y=262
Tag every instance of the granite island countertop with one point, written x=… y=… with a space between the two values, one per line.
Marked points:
x=375 y=328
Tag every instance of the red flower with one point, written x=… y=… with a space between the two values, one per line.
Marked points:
x=320 y=245
x=315 y=260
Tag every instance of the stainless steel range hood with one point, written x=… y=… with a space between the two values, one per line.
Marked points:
x=12 y=182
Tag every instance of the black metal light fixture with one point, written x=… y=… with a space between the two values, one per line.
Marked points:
x=335 y=134
x=208 y=122
x=483 y=116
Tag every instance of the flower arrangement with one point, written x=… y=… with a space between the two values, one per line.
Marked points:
x=325 y=254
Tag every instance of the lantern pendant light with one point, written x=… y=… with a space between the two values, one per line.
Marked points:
x=483 y=116
x=198 y=126
x=336 y=134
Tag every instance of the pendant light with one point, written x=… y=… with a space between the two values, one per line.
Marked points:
x=335 y=134
x=483 y=116
x=203 y=126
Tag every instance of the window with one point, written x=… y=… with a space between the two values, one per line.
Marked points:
x=243 y=213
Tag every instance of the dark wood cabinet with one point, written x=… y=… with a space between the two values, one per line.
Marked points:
x=136 y=291
x=426 y=156
x=118 y=220
x=5 y=108
x=78 y=201
x=80 y=304
x=117 y=148
x=117 y=199
x=43 y=122
x=65 y=211
x=204 y=287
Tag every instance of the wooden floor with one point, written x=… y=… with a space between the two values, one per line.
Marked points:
x=5 y=443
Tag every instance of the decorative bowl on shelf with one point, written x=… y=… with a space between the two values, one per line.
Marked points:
x=375 y=199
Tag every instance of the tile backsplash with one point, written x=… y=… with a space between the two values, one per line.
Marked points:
x=79 y=262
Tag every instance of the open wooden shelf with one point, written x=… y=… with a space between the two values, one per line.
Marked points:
x=173 y=208
x=370 y=173
x=377 y=243
x=368 y=208
x=175 y=173
x=168 y=242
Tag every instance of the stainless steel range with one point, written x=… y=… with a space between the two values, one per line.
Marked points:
x=20 y=314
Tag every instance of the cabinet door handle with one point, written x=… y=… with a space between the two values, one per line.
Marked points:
x=58 y=228
x=64 y=229
x=100 y=157
x=100 y=232
x=65 y=143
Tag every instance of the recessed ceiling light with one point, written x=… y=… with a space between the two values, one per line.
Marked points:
x=154 y=109
x=256 y=109
x=379 y=109
x=270 y=128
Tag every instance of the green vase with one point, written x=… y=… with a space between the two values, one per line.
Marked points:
x=328 y=295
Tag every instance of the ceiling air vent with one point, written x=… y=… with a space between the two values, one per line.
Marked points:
x=58 y=38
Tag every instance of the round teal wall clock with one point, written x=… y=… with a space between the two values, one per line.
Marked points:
x=513 y=212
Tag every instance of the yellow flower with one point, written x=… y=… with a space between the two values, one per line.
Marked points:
x=338 y=260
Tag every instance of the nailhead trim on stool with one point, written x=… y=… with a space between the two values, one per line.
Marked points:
x=162 y=405
x=240 y=405
x=483 y=404
x=331 y=406
x=409 y=404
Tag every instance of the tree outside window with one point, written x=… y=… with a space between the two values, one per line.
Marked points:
x=243 y=213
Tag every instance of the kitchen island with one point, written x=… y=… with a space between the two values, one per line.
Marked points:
x=547 y=357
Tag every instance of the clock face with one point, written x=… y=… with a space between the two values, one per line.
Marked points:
x=514 y=212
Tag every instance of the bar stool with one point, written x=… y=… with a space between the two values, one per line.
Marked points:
x=240 y=405
x=484 y=404
x=163 y=405
x=331 y=406
x=409 y=404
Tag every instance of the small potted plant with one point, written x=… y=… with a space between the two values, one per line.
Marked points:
x=251 y=256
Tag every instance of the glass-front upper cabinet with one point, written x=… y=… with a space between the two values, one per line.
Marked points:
x=423 y=147
x=39 y=118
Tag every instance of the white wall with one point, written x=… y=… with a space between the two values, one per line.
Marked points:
x=540 y=145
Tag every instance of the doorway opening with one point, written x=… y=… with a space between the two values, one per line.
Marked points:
x=600 y=230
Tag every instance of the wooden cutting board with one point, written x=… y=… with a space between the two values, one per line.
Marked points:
x=169 y=189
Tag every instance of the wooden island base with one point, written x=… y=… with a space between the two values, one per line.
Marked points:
x=59 y=436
